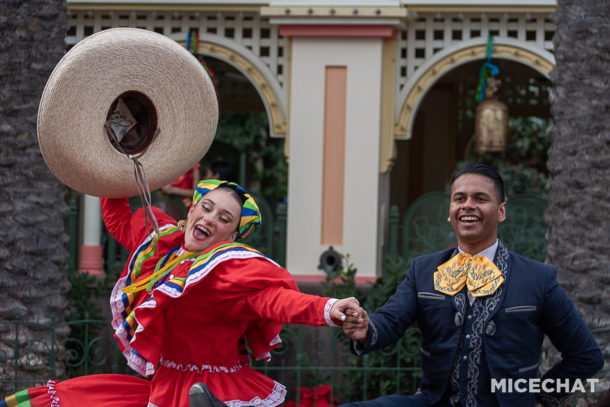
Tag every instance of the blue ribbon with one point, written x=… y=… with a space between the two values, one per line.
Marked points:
x=188 y=40
x=487 y=69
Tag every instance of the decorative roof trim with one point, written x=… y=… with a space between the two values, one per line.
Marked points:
x=171 y=3
x=424 y=78
x=480 y=7
x=334 y=11
x=243 y=5
x=259 y=74
x=336 y=31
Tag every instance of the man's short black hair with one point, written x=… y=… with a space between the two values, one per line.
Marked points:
x=223 y=169
x=486 y=171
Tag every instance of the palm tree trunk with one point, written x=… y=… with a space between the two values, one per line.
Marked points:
x=579 y=158
x=33 y=281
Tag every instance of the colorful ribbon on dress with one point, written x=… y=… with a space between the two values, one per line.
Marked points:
x=477 y=272
x=171 y=260
x=146 y=251
x=163 y=268
x=19 y=399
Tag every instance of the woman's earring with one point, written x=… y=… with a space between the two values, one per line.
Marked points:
x=182 y=225
x=448 y=219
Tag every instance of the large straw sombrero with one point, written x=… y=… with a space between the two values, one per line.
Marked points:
x=121 y=93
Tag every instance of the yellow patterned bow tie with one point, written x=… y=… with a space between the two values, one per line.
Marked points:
x=478 y=273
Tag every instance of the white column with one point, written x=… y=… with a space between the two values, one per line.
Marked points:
x=362 y=56
x=91 y=259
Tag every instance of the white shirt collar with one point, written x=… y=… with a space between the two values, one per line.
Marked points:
x=490 y=252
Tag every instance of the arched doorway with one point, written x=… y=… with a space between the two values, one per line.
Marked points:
x=247 y=141
x=443 y=126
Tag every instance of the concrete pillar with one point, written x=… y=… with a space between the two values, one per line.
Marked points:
x=335 y=187
x=91 y=256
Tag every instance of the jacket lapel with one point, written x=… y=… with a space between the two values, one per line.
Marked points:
x=502 y=260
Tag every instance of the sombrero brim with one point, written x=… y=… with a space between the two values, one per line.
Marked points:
x=89 y=78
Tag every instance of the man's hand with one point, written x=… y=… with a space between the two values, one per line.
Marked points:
x=356 y=324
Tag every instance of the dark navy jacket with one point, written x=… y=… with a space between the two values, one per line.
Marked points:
x=531 y=304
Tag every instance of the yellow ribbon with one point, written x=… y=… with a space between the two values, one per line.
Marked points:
x=477 y=272
x=147 y=283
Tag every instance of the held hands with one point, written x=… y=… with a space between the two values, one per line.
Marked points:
x=354 y=319
x=356 y=324
x=337 y=312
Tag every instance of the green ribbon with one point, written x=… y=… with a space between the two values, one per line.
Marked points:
x=487 y=69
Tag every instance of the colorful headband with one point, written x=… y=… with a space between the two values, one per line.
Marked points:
x=250 y=214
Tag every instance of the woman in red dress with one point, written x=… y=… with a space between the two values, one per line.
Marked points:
x=187 y=299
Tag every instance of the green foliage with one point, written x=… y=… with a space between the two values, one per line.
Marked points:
x=394 y=271
x=244 y=137
x=241 y=130
x=83 y=299
x=523 y=165
x=529 y=141
x=274 y=174
x=341 y=283
x=400 y=361
x=83 y=296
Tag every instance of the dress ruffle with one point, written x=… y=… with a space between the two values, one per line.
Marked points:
x=241 y=386
x=142 y=349
x=276 y=397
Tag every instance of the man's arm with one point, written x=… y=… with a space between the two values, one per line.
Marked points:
x=561 y=322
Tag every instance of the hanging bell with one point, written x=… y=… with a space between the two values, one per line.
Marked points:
x=491 y=121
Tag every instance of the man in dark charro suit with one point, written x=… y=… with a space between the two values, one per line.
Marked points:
x=483 y=312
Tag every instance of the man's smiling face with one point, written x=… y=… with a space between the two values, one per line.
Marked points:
x=475 y=211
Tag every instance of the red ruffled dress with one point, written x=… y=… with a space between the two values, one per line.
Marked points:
x=191 y=327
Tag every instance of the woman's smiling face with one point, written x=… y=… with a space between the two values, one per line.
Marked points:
x=212 y=220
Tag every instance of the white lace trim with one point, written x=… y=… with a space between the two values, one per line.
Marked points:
x=275 y=398
x=138 y=363
x=264 y=356
x=187 y=368
x=267 y=355
x=275 y=341
x=327 y=308
x=53 y=393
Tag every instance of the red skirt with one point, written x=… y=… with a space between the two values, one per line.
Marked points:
x=168 y=389
x=103 y=390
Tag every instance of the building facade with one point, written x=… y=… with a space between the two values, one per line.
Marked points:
x=343 y=83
